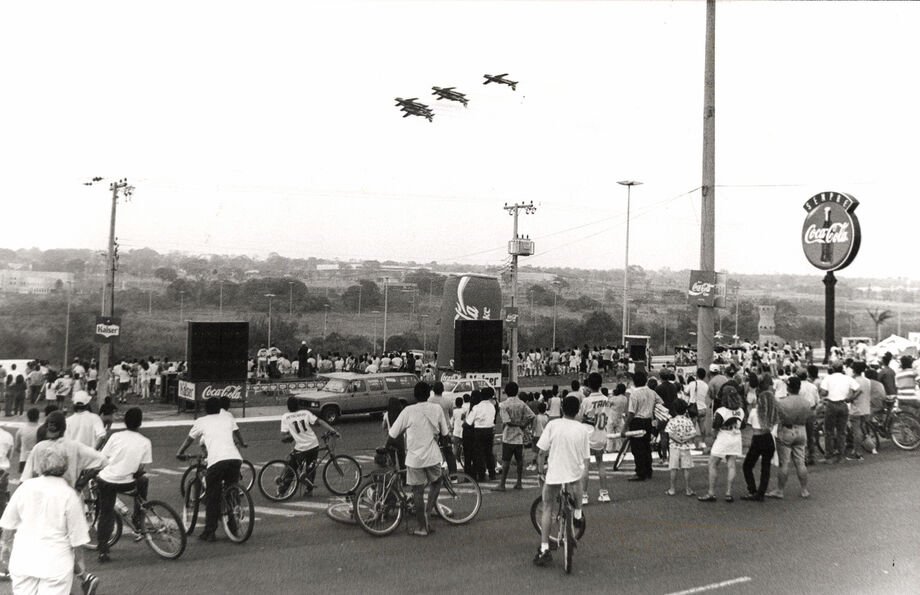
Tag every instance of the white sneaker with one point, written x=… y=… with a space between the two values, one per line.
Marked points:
x=584 y=499
x=603 y=496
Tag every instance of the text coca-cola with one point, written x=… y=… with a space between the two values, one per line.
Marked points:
x=233 y=391
x=837 y=233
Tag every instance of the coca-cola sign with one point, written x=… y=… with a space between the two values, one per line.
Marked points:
x=707 y=288
x=466 y=297
x=831 y=234
x=200 y=391
x=234 y=391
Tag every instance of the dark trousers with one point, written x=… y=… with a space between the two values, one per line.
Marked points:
x=469 y=452
x=762 y=447
x=641 y=447
x=836 y=416
x=106 y=507
x=810 y=439
x=447 y=452
x=663 y=445
x=219 y=474
x=485 y=457
x=33 y=393
x=307 y=458
x=302 y=368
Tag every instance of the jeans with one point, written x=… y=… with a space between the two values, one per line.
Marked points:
x=762 y=447
x=218 y=475
x=306 y=458
x=106 y=507
x=641 y=447
x=835 y=428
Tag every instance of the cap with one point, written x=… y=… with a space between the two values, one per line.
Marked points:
x=81 y=397
x=303 y=342
x=714 y=368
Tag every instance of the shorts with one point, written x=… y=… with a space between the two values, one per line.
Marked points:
x=680 y=458
x=419 y=476
x=510 y=451
x=597 y=452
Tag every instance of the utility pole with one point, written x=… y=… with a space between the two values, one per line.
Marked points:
x=359 y=299
x=555 y=292
x=220 y=304
x=149 y=303
x=291 y=302
x=629 y=184
x=706 y=316
x=67 y=325
x=121 y=187
x=518 y=246
x=737 y=307
x=386 y=293
x=270 y=296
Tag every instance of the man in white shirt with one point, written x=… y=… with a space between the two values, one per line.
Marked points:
x=697 y=392
x=297 y=427
x=564 y=446
x=423 y=424
x=84 y=426
x=224 y=460
x=838 y=389
x=482 y=418
x=127 y=453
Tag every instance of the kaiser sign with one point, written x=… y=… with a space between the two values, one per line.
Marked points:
x=108 y=329
x=831 y=234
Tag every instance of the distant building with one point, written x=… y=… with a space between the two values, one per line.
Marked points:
x=32 y=282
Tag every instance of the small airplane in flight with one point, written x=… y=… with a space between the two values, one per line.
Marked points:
x=93 y=181
x=449 y=93
x=411 y=107
x=500 y=78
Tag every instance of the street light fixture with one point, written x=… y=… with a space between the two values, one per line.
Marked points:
x=629 y=184
x=269 y=296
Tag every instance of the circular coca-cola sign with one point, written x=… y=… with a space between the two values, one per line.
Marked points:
x=831 y=234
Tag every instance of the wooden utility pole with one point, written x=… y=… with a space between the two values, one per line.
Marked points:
x=706 y=315
x=517 y=247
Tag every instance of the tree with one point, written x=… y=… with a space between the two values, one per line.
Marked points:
x=878 y=318
x=167 y=274
x=367 y=291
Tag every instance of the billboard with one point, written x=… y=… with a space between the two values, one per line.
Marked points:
x=830 y=234
x=465 y=297
x=707 y=288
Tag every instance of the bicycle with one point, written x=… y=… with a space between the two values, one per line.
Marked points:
x=562 y=530
x=382 y=501
x=160 y=527
x=237 y=512
x=901 y=427
x=278 y=480
x=624 y=447
x=247 y=476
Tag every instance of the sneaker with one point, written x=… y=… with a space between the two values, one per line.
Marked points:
x=875 y=451
x=531 y=467
x=584 y=499
x=90 y=583
x=542 y=558
x=854 y=457
x=775 y=494
x=603 y=496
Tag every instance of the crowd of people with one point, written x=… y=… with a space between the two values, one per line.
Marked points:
x=273 y=363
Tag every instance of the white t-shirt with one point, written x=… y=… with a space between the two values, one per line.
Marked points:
x=85 y=427
x=422 y=422
x=810 y=392
x=482 y=415
x=47 y=515
x=228 y=415
x=126 y=452
x=6 y=445
x=566 y=440
x=697 y=391
x=595 y=414
x=217 y=434
x=838 y=386
x=300 y=425
x=554 y=409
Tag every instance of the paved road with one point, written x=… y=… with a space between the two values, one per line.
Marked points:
x=857 y=534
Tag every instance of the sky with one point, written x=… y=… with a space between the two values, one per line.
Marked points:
x=259 y=127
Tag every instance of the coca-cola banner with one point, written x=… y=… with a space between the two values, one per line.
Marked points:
x=831 y=234
x=200 y=391
x=707 y=288
x=466 y=297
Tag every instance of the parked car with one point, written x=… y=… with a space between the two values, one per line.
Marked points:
x=344 y=393
x=463 y=386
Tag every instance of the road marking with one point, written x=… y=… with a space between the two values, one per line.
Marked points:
x=164 y=471
x=713 y=586
x=285 y=512
x=312 y=505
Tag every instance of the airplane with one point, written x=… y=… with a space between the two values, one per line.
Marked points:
x=500 y=78
x=91 y=182
x=410 y=107
x=411 y=102
x=449 y=93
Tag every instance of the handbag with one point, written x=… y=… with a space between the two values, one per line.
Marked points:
x=693 y=410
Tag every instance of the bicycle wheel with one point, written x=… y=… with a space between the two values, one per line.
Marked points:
x=247 y=475
x=163 y=529
x=190 y=504
x=238 y=514
x=342 y=474
x=92 y=520
x=189 y=477
x=568 y=542
x=536 y=511
x=621 y=454
x=905 y=431
x=459 y=499
x=277 y=481
x=377 y=509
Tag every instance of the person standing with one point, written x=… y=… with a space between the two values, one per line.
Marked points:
x=794 y=412
x=595 y=412
x=859 y=413
x=838 y=390
x=423 y=424
x=84 y=426
x=640 y=411
x=16 y=396
x=35 y=379
x=727 y=422
x=447 y=406
x=516 y=416
x=482 y=418
x=80 y=457
x=224 y=460
x=697 y=393
x=26 y=437
x=302 y=355
x=886 y=375
x=761 y=418
x=681 y=429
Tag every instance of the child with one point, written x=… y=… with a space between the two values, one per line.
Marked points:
x=458 y=415
x=107 y=413
x=617 y=404
x=26 y=437
x=681 y=431
x=539 y=422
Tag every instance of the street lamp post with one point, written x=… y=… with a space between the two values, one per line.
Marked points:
x=629 y=184
x=386 y=285
x=149 y=302
x=325 y=318
x=291 y=299
x=375 y=313
x=555 y=292
x=269 y=296
x=359 y=299
x=67 y=325
x=424 y=332
x=181 y=305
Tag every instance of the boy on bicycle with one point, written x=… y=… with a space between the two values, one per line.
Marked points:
x=297 y=427
x=564 y=444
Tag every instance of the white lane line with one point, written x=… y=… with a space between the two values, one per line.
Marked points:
x=285 y=512
x=713 y=586
x=164 y=471
x=310 y=505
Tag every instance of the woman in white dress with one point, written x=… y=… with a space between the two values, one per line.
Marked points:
x=726 y=422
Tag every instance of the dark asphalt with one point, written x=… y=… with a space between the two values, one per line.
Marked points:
x=857 y=534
